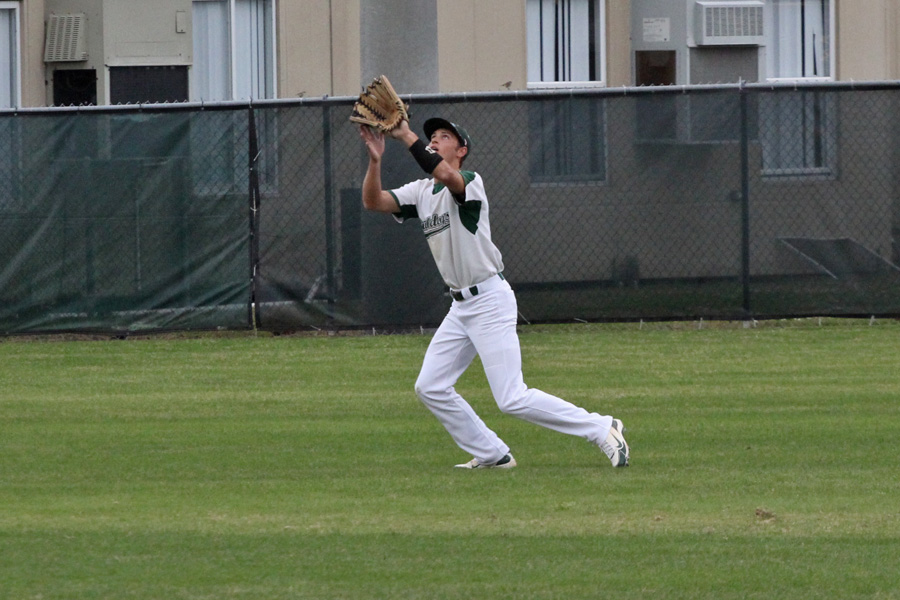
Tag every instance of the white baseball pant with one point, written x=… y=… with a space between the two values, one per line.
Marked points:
x=485 y=324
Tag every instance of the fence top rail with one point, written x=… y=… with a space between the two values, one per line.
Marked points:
x=126 y=108
x=657 y=89
x=431 y=98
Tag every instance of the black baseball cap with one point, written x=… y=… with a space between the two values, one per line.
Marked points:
x=435 y=123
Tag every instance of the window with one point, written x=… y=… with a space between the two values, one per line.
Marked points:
x=798 y=132
x=234 y=59
x=568 y=140
x=9 y=54
x=234 y=50
x=9 y=97
x=566 y=42
x=799 y=43
x=798 y=129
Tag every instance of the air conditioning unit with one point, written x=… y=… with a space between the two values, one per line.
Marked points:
x=66 y=38
x=729 y=23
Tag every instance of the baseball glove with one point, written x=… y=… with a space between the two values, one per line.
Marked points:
x=379 y=106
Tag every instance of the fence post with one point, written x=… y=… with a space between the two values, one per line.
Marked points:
x=745 y=199
x=254 y=198
x=329 y=208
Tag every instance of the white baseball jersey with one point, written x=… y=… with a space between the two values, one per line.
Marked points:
x=458 y=229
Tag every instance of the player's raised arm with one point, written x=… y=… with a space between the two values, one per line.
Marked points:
x=373 y=196
x=440 y=158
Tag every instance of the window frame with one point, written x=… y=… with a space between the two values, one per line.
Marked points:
x=821 y=106
x=564 y=148
x=766 y=58
x=15 y=75
x=816 y=105
x=534 y=45
x=235 y=42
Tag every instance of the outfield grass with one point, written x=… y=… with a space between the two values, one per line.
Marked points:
x=764 y=465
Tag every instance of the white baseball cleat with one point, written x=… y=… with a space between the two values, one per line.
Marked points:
x=507 y=462
x=615 y=446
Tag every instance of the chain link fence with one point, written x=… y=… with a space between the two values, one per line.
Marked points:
x=716 y=202
x=123 y=220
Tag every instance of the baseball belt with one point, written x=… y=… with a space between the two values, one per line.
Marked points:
x=484 y=286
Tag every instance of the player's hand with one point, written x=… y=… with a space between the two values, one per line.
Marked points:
x=374 y=141
x=401 y=131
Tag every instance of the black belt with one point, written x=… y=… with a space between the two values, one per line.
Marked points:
x=457 y=295
x=473 y=291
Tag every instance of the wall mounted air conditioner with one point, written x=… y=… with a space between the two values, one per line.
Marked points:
x=66 y=38
x=729 y=23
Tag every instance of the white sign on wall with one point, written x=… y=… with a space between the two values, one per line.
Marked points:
x=656 y=29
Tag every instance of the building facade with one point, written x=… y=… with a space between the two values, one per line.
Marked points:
x=64 y=52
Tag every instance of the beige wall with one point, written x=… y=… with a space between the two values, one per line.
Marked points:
x=868 y=39
x=32 y=34
x=318 y=48
x=345 y=67
x=618 y=43
x=481 y=45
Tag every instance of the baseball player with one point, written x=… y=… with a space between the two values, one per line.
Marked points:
x=453 y=209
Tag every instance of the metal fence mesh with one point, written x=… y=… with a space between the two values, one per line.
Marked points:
x=649 y=203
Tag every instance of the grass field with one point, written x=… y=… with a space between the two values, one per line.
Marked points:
x=764 y=465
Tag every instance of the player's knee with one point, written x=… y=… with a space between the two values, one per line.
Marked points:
x=430 y=390
x=423 y=388
x=513 y=406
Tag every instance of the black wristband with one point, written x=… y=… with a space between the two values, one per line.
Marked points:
x=425 y=156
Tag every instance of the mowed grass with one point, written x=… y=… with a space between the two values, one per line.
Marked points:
x=764 y=465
